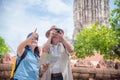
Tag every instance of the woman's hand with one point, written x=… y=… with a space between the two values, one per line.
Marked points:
x=43 y=69
x=34 y=36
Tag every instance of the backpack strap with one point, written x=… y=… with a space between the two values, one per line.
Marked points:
x=22 y=57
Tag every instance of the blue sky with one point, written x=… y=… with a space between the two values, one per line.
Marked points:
x=20 y=17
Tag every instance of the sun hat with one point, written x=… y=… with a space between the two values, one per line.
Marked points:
x=53 y=27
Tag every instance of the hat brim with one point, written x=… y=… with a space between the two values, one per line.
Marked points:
x=48 y=32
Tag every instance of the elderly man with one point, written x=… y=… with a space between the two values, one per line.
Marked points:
x=57 y=45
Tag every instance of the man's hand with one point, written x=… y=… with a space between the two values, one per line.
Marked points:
x=52 y=33
x=60 y=36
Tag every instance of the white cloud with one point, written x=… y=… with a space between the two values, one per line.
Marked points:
x=33 y=2
x=56 y=6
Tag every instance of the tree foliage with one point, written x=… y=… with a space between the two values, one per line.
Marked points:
x=96 y=38
x=3 y=47
x=115 y=17
x=115 y=24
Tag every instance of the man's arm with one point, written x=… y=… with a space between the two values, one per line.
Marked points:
x=46 y=47
x=67 y=45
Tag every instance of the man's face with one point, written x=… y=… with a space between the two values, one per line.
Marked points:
x=55 y=38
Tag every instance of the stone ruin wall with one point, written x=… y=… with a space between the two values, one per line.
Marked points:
x=90 y=11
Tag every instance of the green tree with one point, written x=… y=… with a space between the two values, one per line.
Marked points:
x=99 y=39
x=115 y=24
x=3 y=47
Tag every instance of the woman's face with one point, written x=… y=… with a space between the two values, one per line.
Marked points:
x=33 y=43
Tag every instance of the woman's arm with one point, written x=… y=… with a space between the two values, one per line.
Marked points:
x=21 y=47
x=40 y=51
